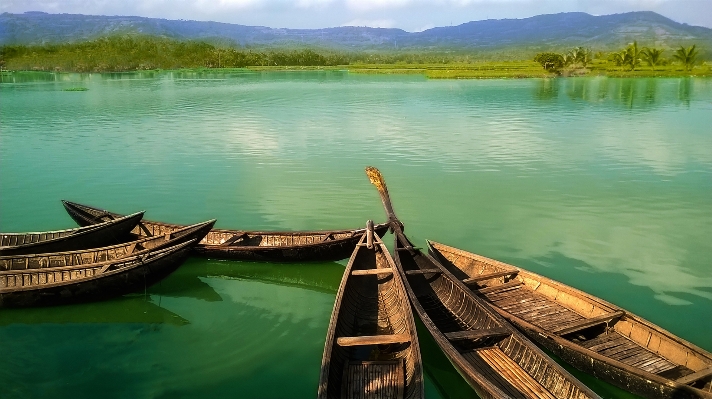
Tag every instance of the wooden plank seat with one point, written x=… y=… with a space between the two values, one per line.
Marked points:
x=488 y=276
x=694 y=377
x=579 y=325
x=622 y=349
x=373 y=380
x=366 y=272
x=423 y=271
x=506 y=374
x=501 y=287
x=364 y=340
x=477 y=334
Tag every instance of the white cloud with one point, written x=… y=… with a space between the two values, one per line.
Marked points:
x=369 y=5
x=424 y=28
x=377 y=23
x=314 y=3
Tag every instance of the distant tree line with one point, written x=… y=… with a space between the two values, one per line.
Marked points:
x=631 y=56
x=131 y=53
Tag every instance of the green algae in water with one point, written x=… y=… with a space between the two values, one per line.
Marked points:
x=75 y=89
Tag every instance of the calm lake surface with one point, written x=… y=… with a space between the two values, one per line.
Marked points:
x=603 y=184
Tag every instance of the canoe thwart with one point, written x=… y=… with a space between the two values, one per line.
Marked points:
x=579 y=325
x=488 y=276
x=408 y=249
x=365 y=272
x=689 y=379
x=477 y=334
x=496 y=288
x=373 y=340
x=423 y=271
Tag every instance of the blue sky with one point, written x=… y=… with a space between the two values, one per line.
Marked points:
x=411 y=15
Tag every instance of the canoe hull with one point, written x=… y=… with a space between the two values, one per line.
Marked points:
x=134 y=279
x=329 y=251
x=447 y=307
x=255 y=246
x=589 y=333
x=592 y=364
x=371 y=347
x=100 y=237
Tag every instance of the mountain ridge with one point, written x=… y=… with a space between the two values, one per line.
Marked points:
x=538 y=33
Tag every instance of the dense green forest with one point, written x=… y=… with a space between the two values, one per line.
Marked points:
x=135 y=53
x=131 y=53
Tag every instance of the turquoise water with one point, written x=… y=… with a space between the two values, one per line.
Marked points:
x=603 y=184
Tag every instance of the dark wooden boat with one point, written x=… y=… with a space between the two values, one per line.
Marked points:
x=490 y=354
x=97 y=235
x=593 y=335
x=371 y=348
x=246 y=245
x=94 y=281
x=96 y=255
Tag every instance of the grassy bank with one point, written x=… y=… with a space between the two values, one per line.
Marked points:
x=500 y=70
x=137 y=53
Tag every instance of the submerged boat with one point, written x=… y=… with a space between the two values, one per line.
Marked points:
x=494 y=358
x=371 y=348
x=98 y=235
x=96 y=255
x=591 y=334
x=246 y=245
x=94 y=281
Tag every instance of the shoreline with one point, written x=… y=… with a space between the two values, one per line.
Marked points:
x=479 y=70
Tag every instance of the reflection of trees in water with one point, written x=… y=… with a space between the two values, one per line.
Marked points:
x=627 y=92
x=684 y=89
x=603 y=88
x=577 y=89
x=651 y=88
x=547 y=89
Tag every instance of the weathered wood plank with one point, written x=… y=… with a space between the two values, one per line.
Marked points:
x=423 y=271
x=373 y=340
x=489 y=276
x=365 y=272
x=586 y=323
x=688 y=379
x=501 y=287
x=477 y=334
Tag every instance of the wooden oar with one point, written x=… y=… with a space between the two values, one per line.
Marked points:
x=374 y=175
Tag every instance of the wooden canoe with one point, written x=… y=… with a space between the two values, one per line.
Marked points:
x=591 y=334
x=98 y=235
x=96 y=255
x=94 y=281
x=494 y=358
x=491 y=355
x=246 y=245
x=371 y=348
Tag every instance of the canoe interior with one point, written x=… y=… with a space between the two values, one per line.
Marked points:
x=580 y=319
x=83 y=257
x=86 y=215
x=498 y=361
x=372 y=349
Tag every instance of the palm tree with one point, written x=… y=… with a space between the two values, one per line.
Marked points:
x=653 y=56
x=633 y=55
x=688 y=56
x=581 y=56
x=620 y=57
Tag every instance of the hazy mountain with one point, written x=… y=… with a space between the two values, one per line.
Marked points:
x=542 y=32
